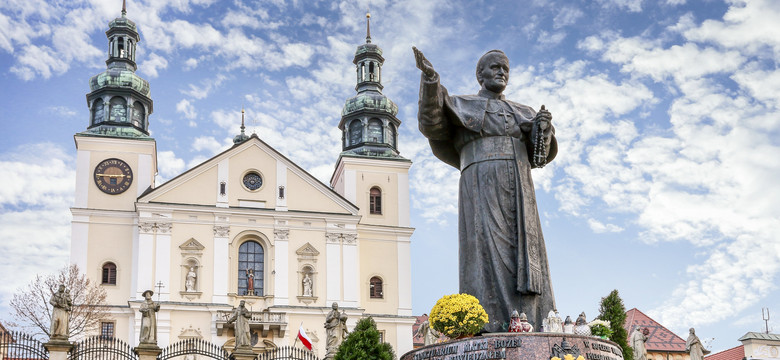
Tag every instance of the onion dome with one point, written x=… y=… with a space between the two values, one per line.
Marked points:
x=119 y=100
x=368 y=121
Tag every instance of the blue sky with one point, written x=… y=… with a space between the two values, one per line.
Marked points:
x=667 y=115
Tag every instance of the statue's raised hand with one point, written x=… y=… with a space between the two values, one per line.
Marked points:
x=423 y=64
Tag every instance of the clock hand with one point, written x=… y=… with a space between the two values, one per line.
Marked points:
x=111 y=176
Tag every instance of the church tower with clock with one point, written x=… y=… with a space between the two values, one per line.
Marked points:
x=116 y=161
x=246 y=226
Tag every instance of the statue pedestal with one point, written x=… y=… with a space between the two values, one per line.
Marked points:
x=147 y=351
x=516 y=346
x=244 y=353
x=58 y=348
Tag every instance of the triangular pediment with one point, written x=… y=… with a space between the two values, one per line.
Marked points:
x=307 y=250
x=192 y=245
x=222 y=182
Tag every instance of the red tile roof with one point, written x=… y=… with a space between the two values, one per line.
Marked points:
x=735 y=353
x=660 y=338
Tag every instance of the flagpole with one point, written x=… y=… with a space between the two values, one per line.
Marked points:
x=296 y=335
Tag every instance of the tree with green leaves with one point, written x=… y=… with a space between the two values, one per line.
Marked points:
x=363 y=344
x=612 y=309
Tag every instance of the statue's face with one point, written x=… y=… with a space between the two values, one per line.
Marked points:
x=494 y=74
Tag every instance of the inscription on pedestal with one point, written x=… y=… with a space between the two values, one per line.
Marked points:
x=516 y=346
x=473 y=350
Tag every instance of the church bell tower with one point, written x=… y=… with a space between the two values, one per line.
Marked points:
x=370 y=172
x=116 y=160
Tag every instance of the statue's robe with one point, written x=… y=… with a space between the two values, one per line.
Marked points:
x=503 y=261
x=148 y=311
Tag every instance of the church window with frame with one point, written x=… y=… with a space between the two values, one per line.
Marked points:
x=375 y=288
x=106 y=330
x=251 y=261
x=108 y=274
x=375 y=201
x=118 y=111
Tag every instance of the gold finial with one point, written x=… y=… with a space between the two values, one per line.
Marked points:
x=368 y=26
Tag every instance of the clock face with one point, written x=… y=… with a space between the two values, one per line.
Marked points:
x=113 y=176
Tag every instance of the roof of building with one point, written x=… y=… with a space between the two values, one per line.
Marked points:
x=660 y=338
x=760 y=336
x=735 y=353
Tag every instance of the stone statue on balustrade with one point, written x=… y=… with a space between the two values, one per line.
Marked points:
x=638 y=340
x=694 y=346
x=336 y=330
x=60 y=315
x=148 y=311
x=495 y=143
x=241 y=316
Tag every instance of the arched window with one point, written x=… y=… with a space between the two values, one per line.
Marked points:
x=138 y=115
x=391 y=135
x=375 y=288
x=251 y=260
x=375 y=201
x=98 y=112
x=118 y=110
x=375 y=133
x=355 y=132
x=371 y=75
x=109 y=274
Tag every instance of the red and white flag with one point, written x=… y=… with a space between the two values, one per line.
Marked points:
x=304 y=338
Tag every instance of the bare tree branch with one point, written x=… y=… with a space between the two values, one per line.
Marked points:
x=32 y=311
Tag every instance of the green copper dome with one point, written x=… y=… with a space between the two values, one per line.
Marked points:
x=119 y=78
x=369 y=101
x=122 y=22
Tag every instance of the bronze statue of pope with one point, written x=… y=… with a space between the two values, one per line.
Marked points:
x=494 y=143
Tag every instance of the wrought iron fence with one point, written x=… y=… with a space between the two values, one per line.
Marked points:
x=194 y=347
x=102 y=348
x=18 y=345
x=288 y=353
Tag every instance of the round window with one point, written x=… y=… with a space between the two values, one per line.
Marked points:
x=253 y=180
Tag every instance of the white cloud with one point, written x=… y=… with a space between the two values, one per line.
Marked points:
x=190 y=64
x=568 y=15
x=209 y=144
x=38 y=61
x=205 y=88
x=168 y=166
x=36 y=190
x=187 y=109
x=152 y=64
x=599 y=227
x=630 y=5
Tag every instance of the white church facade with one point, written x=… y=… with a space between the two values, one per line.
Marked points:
x=247 y=224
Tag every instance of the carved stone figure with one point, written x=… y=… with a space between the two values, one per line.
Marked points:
x=250 y=282
x=638 y=340
x=241 y=316
x=148 y=311
x=335 y=329
x=494 y=143
x=189 y=283
x=307 y=285
x=428 y=334
x=60 y=315
x=553 y=322
x=693 y=346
